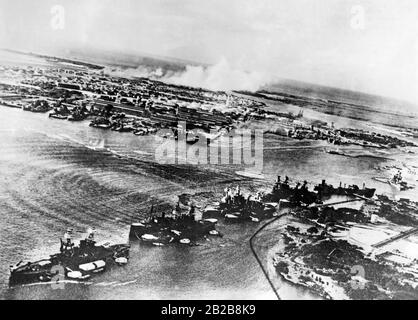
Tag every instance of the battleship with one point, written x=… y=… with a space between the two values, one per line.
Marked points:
x=397 y=182
x=60 y=111
x=326 y=190
x=177 y=227
x=299 y=195
x=235 y=207
x=37 y=106
x=72 y=262
x=65 y=111
x=79 y=113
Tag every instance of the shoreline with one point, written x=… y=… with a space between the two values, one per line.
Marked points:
x=289 y=263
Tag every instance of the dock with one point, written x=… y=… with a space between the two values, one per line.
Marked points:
x=397 y=237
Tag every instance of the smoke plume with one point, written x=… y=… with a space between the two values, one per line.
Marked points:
x=219 y=77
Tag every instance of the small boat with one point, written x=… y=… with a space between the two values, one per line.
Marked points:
x=102 y=126
x=336 y=151
x=58 y=116
x=232 y=217
x=253 y=175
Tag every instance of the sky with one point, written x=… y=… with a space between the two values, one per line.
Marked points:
x=362 y=45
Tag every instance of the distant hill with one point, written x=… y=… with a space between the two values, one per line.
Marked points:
x=128 y=60
x=336 y=94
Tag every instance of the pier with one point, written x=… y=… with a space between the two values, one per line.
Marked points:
x=397 y=237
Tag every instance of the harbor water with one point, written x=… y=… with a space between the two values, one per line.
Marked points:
x=57 y=174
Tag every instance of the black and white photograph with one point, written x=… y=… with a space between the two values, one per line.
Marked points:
x=227 y=150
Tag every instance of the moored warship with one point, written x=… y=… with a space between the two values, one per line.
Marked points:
x=177 y=227
x=327 y=190
x=235 y=207
x=73 y=262
x=38 y=106
x=295 y=196
x=79 y=113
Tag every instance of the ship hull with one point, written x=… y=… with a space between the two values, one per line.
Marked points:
x=78 y=265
